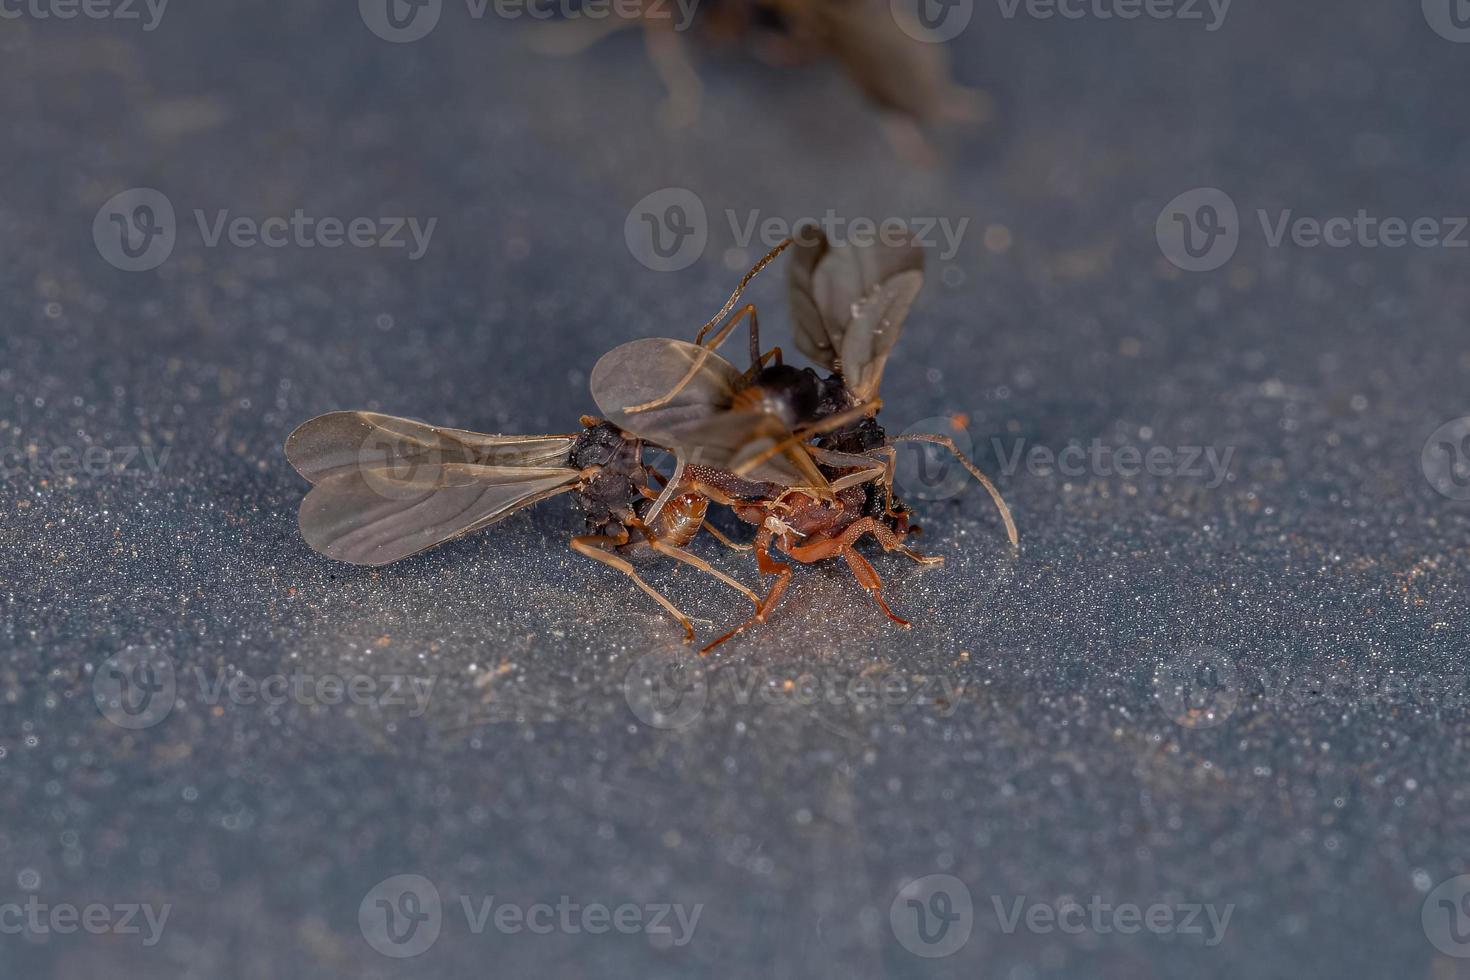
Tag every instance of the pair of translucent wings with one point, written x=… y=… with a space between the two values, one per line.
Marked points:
x=385 y=487
x=848 y=305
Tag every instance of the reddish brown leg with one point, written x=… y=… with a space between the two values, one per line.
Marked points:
x=863 y=571
x=598 y=546
x=767 y=566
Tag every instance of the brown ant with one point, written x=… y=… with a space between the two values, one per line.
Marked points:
x=802 y=457
x=799 y=456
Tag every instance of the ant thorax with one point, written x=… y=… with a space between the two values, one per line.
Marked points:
x=791 y=394
x=609 y=495
x=803 y=516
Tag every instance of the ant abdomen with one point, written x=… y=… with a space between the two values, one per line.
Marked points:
x=681 y=519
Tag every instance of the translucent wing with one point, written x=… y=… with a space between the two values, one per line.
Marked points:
x=656 y=388
x=344 y=442
x=745 y=443
x=849 y=303
x=376 y=515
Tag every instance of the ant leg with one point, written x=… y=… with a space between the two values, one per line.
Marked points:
x=920 y=558
x=863 y=571
x=765 y=260
x=866 y=469
x=595 y=546
x=671 y=61
x=757 y=360
x=767 y=566
x=679 y=554
x=720 y=537
x=948 y=443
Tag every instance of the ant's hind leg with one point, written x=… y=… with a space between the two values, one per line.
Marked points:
x=679 y=554
x=721 y=537
x=596 y=546
x=863 y=571
x=762 y=609
x=767 y=566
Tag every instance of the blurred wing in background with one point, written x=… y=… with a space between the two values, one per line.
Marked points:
x=848 y=304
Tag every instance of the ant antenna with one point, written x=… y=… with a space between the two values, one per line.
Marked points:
x=948 y=443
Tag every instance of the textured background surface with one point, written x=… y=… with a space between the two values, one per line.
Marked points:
x=1324 y=571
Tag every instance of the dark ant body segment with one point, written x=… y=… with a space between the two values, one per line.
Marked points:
x=610 y=496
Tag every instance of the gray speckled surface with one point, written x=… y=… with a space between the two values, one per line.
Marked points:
x=1051 y=766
